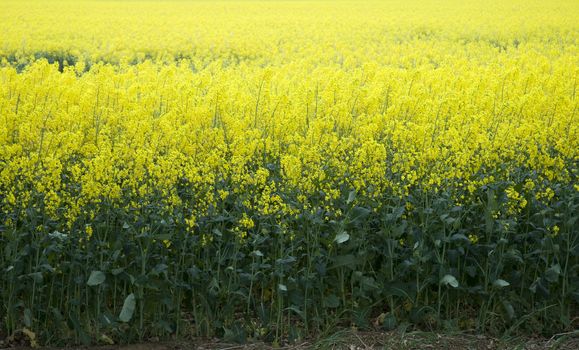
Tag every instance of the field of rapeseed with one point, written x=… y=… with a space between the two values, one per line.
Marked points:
x=274 y=169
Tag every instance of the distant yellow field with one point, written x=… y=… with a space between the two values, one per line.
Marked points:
x=403 y=34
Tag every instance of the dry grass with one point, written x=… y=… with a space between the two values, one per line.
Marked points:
x=354 y=340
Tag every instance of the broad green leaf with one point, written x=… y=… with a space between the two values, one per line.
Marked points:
x=509 y=309
x=96 y=278
x=36 y=277
x=459 y=237
x=449 y=280
x=351 y=196
x=128 y=308
x=297 y=311
x=331 y=301
x=160 y=268
x=342 y=237
x=398 y=230
x=552 y=273
x=368 y=283
x=117 y=271
x=399 y=289
x=282 y=287
x=348 y=260
x=285 y=261
x=501 y=283
x=359 y=214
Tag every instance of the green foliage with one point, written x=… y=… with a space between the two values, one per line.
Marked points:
x=419 y=267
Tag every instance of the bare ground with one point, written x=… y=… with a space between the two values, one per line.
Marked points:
x=350 y=340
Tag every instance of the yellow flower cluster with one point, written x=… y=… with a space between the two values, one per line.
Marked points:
x=516 y=202
x=280 y=106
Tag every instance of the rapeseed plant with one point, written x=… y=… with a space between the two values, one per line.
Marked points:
x=311 y=163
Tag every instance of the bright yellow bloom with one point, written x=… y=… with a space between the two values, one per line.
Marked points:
x=473 y=238
x=284 y=110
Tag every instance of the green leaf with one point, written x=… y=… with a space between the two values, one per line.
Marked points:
x=509 y=309
x=96 y=278
x=331 y=301
x=368 y=283
x=398 y=230
x=342 y=237
x=459 y=237
x=515 y=255
x=449 y=280
x=159 y=269
x=128 y=308
x=348 y=260
x=552 y=273
x=398 y=289
x=285 y=261
x=351 y=196
x=359 y=214
x=282 y=287
x=297 y=311
x=501 y=283
x=36 y=277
